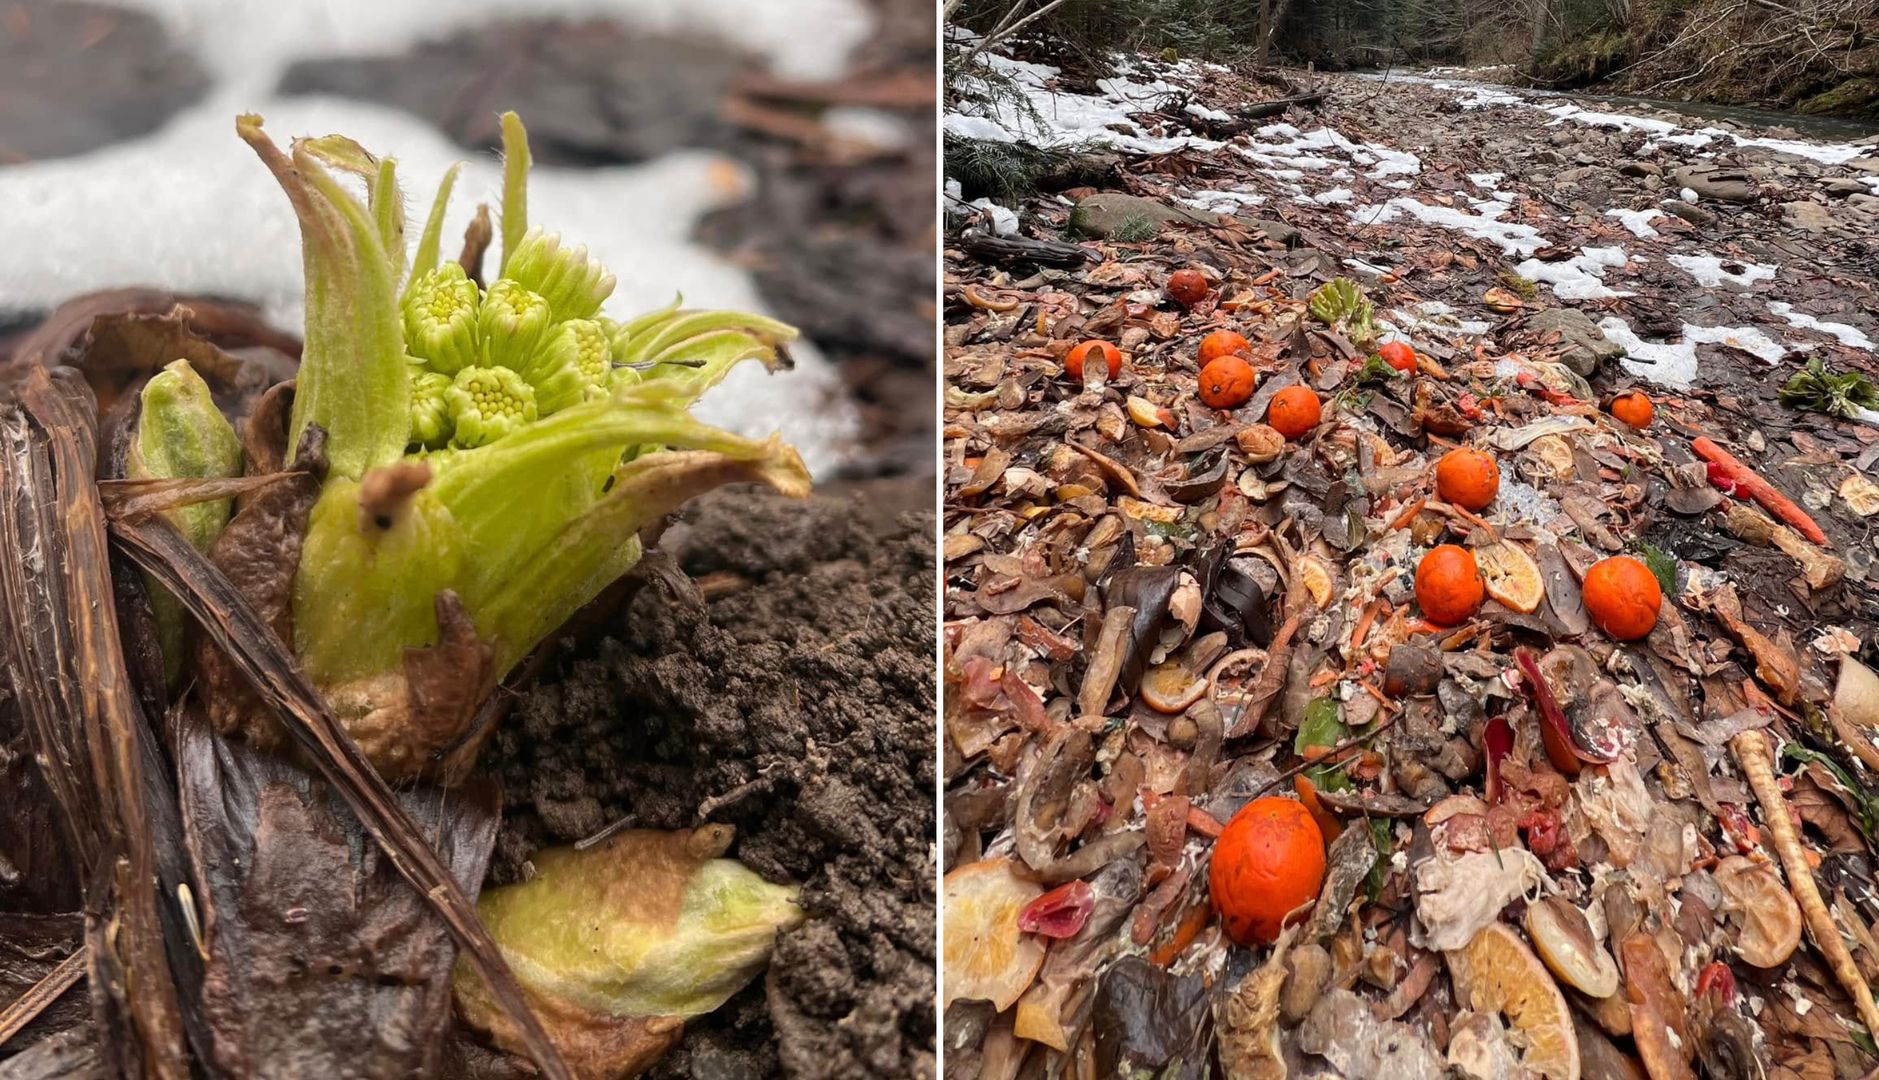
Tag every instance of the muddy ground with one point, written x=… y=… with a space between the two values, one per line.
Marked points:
x=787 y=689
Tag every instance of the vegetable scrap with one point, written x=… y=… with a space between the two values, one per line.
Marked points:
x=1399 y=699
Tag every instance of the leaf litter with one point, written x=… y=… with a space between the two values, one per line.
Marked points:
x=1560 y=842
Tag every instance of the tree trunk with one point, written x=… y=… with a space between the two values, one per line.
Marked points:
x=1265 y=30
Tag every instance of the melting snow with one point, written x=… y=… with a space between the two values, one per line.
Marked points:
x=1513 y=237
x=1709 y=272
x=1621 y=121
x=1222 y=202
x=1638 y=221
x=1205 y=113
x=1335 y=195
x=1848 y=335
x=1825 y=153
x=1581 y=277
x=1074 y=118
x=1489 y=180
x=1675 y=365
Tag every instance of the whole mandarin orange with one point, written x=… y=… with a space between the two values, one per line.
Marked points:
x=1622 y=596
x=1467 y=478
x=1073 y=364
x=1187 y=287
x=1221 y=343
x=1448 y=585
x=1398 y=355
x=1226 y=383
x=1634 y=408
x=1267 y=865
x=1294 y=411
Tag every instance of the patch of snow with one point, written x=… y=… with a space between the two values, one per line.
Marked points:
x=1334 y=196
x=1709 y=272
x=1688 y=195
x=1205 y=113
x=1668 y=364
x=1489 y=180
x=1223 y=202
x=1851 y=336
x=1581 y=277
x=1825 y=153
x=1694 y=139
x=1620 y=121
x=1068 y=119
x=1513 y=237
x=1004 y=219
x=874 y=127
x=1638 y=221
x=1400 y=185
x=1675 y=365
x=1368 y=267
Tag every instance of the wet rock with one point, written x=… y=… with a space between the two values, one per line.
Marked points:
x=1689 y=212
x=1864 y=164
x=1276 y=231
x=1582 y=346
x=1711 y=181
x=1101 y=216
x=1641 y=168
x=1808 y=217
x=1843 y=187
x=77 y=76
x=592 y=91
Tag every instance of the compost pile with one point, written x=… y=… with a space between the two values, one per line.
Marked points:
x=1333 y=691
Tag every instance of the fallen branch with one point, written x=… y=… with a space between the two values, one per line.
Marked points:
x=989 y=248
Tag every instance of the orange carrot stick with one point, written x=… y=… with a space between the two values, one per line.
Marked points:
x=1737 y=479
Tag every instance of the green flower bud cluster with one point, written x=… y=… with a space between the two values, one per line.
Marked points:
x=487 y=361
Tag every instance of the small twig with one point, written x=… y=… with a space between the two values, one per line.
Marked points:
x=1330 y=758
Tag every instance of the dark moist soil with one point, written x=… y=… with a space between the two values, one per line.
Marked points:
x=797 y=704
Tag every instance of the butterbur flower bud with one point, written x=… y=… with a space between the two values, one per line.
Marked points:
x=573 y=367
x=430 y=411
x=614 y=972
x=514 y=323
x=181 y=433
x=440 y=318
x=573 y=284
x=487 y=403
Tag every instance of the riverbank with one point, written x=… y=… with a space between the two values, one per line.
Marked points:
x=1258 y=560
x=1716 y=255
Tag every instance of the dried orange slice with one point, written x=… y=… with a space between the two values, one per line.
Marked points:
x=1171 y=687
x=1315 y=576
x=986 y=956
x=1496 y=972
x=1143 y=411
x=1511 y=576
x=1563 y=939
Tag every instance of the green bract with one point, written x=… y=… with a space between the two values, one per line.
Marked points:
x=182 y=434
x=493 y=452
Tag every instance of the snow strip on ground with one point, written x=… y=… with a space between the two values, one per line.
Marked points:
x=1513 y=237
x=1709 y=271
x=1851 y=336
x=1581 y=277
